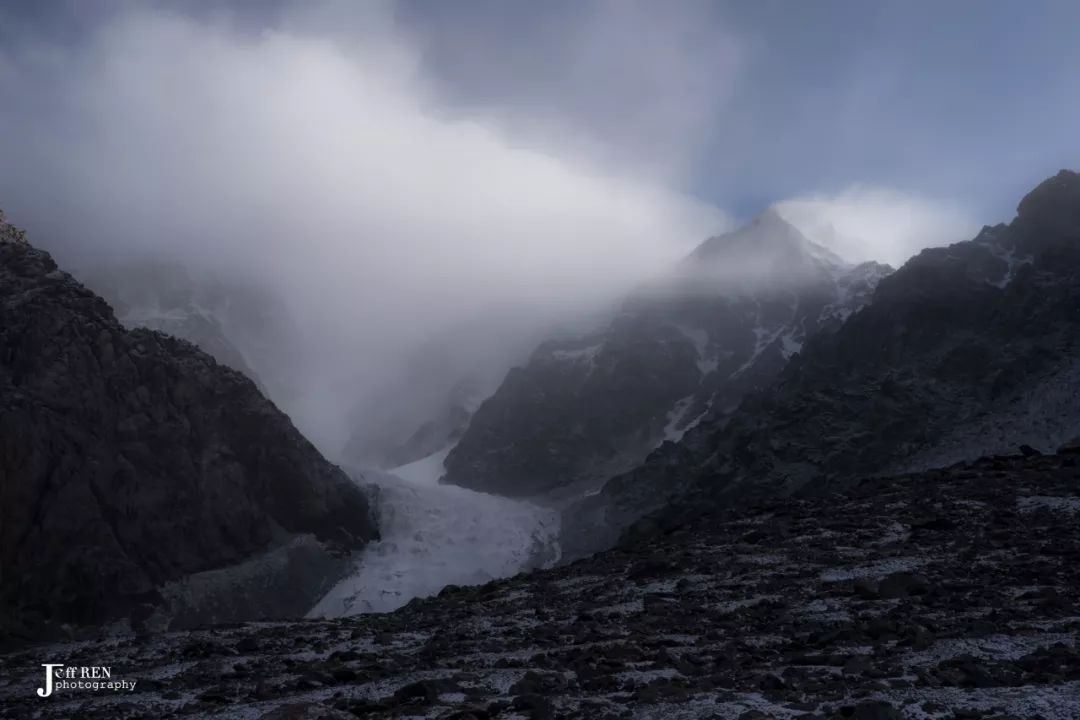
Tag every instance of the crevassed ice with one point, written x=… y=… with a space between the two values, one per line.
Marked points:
x=437 y=535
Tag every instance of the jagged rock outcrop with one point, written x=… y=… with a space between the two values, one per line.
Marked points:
x=131 y=462
x=9 y=233
x=683 y=350
x=934 y=596
x=967 y=350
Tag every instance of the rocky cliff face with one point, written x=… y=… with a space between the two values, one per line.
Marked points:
x=967 y=350
x=682 y=351
x=132 y=464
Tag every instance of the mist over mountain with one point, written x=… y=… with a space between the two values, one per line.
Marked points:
x=720 y=324
x=244 y=326
x=320 y=202
x=965 y=351
x=316 y=150
x=143 y=482
x=566 y=360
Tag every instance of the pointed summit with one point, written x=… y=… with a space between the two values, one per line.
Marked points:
x=768 y=250
x=768 y=228
x=771 y=218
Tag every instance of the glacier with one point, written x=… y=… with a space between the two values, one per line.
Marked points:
x=437 y=535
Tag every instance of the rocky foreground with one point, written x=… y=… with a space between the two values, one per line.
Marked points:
x=947 y=594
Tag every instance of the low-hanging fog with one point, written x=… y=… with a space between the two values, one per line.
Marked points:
x=398 y=187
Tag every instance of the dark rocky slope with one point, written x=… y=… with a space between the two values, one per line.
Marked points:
x=967 y=350
x=134 y=467
x=688 y=348
x=940 y=595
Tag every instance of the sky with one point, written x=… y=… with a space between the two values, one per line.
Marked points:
x=737 y=104
x=967 y=101
x=401 y=169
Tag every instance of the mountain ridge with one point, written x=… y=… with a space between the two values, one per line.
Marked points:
x=723 y=322
x=966 y=350
x=132 y=461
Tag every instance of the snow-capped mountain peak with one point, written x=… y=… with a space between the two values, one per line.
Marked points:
x=767 y=251
x=723 y=324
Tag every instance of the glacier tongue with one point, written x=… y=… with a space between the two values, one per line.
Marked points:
x=437 y=535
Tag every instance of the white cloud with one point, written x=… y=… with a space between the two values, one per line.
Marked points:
x=328 y=167
x=875 y=223
x=331 y=156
